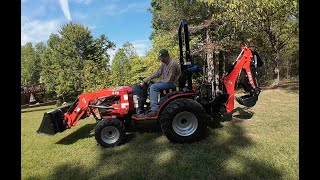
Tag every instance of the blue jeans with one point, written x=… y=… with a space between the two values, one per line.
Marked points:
x=154 y=89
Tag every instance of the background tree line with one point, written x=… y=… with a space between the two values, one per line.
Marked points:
x=73 y=61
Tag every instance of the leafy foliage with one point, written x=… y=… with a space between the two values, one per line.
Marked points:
x=30 y=65
x=121 y=65
x=73 y=62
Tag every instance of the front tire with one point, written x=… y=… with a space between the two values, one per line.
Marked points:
x=183 y=121
x=110 y=132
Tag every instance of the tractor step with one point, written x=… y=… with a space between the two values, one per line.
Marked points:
x=52 y=122
x=141 y=117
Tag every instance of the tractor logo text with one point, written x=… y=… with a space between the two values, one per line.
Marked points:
x=115 y=92
x=84 y=100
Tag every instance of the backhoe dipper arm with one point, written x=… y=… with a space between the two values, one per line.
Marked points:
x=243 y=62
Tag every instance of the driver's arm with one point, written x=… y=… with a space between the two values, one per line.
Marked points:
x=157 y=73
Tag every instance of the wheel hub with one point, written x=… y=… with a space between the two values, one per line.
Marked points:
x=110 y=134
x=185 y=123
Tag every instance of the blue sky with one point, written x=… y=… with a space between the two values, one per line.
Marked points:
x=120 y=20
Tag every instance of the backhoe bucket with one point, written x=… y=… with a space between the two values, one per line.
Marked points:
x=52 y=122
x=247 y=100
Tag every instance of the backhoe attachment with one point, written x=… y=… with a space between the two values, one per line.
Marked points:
x=248 y=61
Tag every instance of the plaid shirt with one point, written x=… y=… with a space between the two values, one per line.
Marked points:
x=169 y=73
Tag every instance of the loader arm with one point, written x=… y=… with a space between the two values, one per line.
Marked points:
x=59 y=120
x=77 y=109
x=245 y=62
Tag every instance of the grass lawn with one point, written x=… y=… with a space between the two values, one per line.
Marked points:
x=259 y=143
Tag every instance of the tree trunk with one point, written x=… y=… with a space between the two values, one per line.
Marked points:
x=210 y=61
x=210 y=64
x=221 y=70
x=288 y=69
x=276 y=70
x=277 y=80
x=216 y=70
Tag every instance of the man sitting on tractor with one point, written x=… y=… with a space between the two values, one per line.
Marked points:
x=170 y=72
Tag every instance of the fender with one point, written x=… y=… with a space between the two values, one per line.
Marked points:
x=176 y=95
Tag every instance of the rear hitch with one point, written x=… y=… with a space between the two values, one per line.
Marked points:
x=52 y=122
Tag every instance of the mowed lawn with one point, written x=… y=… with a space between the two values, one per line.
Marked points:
x=258 y=143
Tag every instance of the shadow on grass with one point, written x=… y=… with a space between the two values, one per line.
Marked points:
x=152 y=156
x=203 y=160
x=292 y=87
x=71 y=171
x=38 y=109
x=81 y=133
x=238 y=114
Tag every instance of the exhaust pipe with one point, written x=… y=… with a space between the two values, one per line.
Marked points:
x=53 y=122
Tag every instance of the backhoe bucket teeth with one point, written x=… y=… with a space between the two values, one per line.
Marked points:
x=247 y=100
x=52 y=122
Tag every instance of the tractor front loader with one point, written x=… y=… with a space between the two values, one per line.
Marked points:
x=184 y=112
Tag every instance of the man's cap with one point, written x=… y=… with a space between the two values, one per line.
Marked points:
x=162 y=54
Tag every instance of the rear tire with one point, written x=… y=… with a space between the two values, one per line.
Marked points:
x=183 y=121
x=110 y=132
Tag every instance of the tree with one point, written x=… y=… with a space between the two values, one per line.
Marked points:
x=268 y=25
x=30 y=65
x=167 y=14
x=65 y=70
x=40 y=50
x=97 y=71
x=121 y=65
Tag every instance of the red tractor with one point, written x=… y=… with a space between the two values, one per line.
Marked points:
x=184 y=112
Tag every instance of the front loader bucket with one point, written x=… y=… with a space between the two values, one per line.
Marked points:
x=52 y=122
x=247 y=100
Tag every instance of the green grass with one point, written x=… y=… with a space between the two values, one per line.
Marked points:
x=263 y=144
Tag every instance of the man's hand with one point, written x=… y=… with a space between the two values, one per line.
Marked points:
x=146 y=80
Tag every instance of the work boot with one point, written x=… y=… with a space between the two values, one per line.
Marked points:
x=152 y=113
x=140 y=110
x=142 y=115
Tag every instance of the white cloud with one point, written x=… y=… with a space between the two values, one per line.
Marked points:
x=92 y=27
x=112 y=53
x=141 y=46
x=80 y=15
x=114 y=9
x=65 y=8
x=136 y=7
x=35 y=31
x=82 y=1
x=111 y=9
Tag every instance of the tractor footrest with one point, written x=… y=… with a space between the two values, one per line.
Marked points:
x=139 y=117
